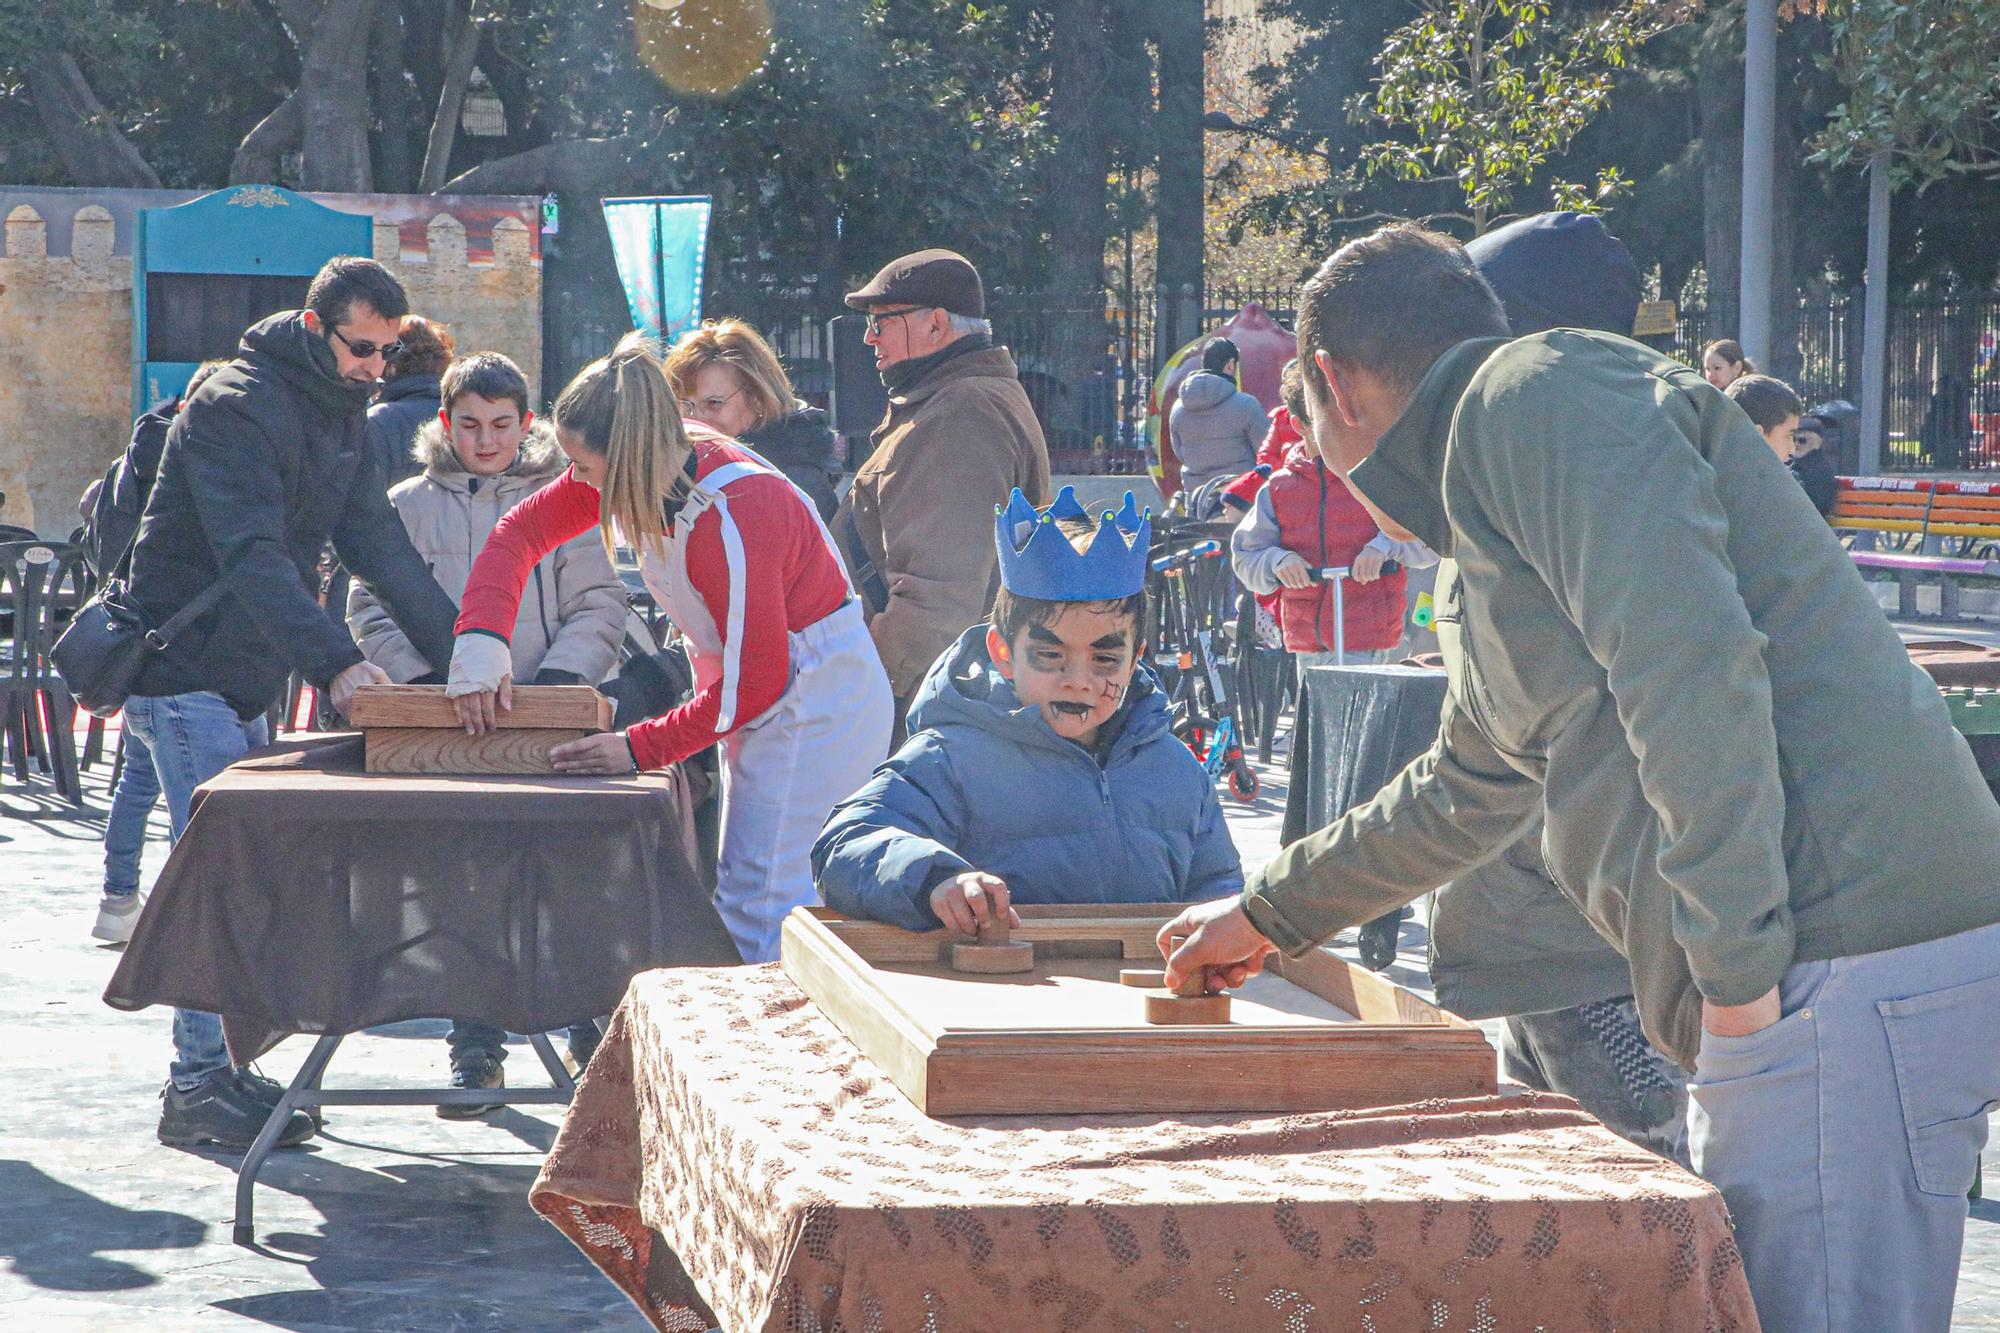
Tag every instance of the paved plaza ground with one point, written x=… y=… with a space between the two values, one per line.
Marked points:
x=393 y=1219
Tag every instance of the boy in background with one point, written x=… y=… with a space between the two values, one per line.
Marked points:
x=1305 y=519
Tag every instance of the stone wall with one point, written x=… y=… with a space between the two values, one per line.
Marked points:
x=66 y=340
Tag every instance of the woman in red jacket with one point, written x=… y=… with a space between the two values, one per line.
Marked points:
x=786 y=676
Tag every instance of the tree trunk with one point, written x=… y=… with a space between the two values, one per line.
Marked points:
x=260 y=157
x=94 y=151
x=1080 y=117
x=393 y=108
x=461 y=45
x=1181 y=174
x=1786 y=362
x=1719 y=95
x=333 y=84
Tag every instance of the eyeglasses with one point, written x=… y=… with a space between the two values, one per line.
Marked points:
x=706 y=408
x=875 y=317
x=365 y=349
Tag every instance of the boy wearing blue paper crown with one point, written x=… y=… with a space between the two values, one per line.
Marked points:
x=1040 y=767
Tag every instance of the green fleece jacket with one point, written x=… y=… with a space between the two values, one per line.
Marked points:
x=1653 y=639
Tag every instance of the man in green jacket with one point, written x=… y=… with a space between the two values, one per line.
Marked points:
x=1656 y=644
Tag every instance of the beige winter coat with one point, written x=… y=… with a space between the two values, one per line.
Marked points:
x=573 y=610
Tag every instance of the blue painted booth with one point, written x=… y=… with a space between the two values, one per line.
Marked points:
x=206 y=270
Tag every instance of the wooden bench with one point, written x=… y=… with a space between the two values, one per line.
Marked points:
x=1929 y=511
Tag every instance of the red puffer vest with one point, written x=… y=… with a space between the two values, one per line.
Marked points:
x=1321 y=520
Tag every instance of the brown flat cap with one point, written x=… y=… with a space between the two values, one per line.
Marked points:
x=943 y=279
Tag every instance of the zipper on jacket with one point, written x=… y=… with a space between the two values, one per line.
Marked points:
x=1325 y=597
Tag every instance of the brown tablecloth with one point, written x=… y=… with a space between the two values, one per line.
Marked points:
x=730 y=1153
x=308 y=896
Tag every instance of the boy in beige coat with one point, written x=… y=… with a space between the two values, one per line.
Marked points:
x=482 y=456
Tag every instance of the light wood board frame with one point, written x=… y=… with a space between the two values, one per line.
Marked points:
x=1387 y=1047
x=535 y=706
x=415 y=729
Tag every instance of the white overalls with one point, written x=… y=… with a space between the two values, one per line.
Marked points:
x=785 y=769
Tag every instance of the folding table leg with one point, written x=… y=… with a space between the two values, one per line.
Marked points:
x=558 y=1074
x=253 y=1161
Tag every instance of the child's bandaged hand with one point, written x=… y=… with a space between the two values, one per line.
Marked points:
x=966 y=902
x=1292 y=571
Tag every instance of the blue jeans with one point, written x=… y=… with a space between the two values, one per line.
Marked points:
x=192 y=738
x=132 y=803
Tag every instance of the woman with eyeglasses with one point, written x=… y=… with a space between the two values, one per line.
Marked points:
x=728 y=377
x=787 y=679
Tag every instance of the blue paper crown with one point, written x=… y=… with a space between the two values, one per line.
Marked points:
x=1037 y=560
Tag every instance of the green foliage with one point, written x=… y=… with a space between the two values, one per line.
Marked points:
x=1483 y=93
x=1923 y=86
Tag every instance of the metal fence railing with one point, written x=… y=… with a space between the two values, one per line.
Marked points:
x=1087 y=359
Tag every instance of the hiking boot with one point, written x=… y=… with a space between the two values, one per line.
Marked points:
x=222 y=1112
x=473 y=1070
x=267 y=1091
x=117 y=913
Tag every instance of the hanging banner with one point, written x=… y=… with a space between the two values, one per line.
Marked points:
x=661 y=245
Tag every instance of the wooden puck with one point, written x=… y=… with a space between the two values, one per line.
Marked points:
x=1148 y=978
x=1017 y=956
x=1166 y=1007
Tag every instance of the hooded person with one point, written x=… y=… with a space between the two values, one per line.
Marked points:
x=482 y=454
x=1216 y=428
x=1041 y=767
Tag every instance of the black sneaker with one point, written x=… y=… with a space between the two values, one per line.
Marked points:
x=221 y=1112
x=267 y=1091
x=473 y=1070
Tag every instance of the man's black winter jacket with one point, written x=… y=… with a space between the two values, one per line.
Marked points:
x=268 y=460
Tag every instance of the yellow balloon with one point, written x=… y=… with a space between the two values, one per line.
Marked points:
x=707 y=47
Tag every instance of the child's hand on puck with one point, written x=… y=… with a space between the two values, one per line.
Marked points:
x=966 y=902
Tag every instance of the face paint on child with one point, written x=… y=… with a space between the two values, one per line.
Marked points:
x=1075 y=669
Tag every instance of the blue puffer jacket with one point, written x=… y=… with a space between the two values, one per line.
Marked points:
x=983 y=784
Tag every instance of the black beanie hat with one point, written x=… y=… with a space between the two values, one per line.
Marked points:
x=1560 y=270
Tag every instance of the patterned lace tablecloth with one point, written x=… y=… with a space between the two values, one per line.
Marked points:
x=732 y=1159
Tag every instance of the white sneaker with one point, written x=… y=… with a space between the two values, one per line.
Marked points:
x=115 y=918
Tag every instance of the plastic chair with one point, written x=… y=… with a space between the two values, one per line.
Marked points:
x=41 y=584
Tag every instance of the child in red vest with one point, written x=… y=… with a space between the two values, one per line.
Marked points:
x=1305 y=519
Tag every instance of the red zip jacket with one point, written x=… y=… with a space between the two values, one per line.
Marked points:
x=762 y=561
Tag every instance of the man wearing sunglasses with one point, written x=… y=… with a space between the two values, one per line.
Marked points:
x=267 y=460
x=958 y=438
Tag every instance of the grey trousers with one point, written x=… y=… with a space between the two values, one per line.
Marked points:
x=1845 y=1135
x=1597 y=1054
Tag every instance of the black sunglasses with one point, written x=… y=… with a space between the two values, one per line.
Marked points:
x=365 y=349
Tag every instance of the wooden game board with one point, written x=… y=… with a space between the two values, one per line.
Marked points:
x=414 y=729
x=1313 y=1033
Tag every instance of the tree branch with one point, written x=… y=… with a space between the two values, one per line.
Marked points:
x=94 y=151
x=461 y=48
x=574 y=165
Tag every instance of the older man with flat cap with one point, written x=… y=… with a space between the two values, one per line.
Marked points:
x=958 y=438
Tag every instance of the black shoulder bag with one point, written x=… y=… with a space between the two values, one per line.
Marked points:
x=108 y=643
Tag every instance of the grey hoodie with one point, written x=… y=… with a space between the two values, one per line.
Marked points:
x=573 y=610
x=1215 y=429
